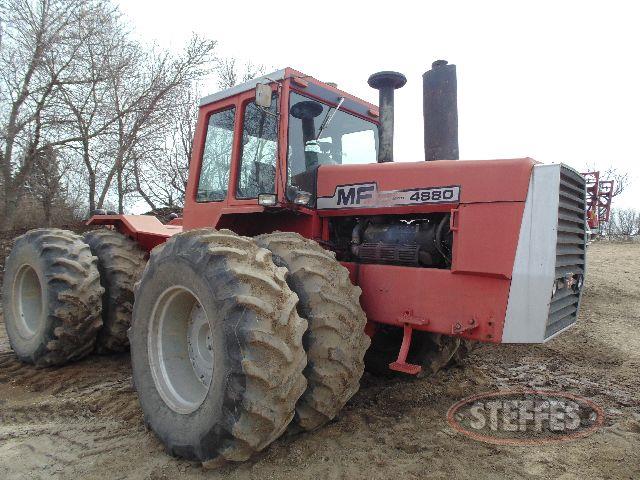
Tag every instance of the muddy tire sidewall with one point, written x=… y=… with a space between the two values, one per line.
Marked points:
x=27 y=347
x=226 y=283
x=63 y=273
x=186 y=428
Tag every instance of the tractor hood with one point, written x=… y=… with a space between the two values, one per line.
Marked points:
x=389 y=185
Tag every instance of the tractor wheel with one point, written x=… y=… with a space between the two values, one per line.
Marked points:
x=120 y=262
x=466 y=347
x=335 y=341
x=51 y=297
x=436 y=351
x=216 y=346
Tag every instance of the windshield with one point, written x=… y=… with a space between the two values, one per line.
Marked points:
x=345 y=140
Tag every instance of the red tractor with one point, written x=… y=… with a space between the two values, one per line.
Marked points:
x=302 y=243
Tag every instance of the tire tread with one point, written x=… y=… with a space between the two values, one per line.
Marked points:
x=335 y=340
x=121 y=262
x=75 y=296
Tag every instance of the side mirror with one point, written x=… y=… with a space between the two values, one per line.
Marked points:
x=263 y=95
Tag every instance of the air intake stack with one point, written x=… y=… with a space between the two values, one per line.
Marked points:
x=386 y=83
x=440 y=110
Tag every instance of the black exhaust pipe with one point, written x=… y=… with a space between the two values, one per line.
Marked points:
x=440 y=110
x=307 y=111
x=386 y=83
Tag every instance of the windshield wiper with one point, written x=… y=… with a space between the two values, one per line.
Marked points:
x=328 y=118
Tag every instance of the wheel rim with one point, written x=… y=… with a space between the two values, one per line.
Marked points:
x=28 y=301
x=180 y=350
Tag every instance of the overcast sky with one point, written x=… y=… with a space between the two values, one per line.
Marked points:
x=557 y=81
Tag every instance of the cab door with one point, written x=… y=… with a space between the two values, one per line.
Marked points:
x=255 y=171
x=234 y=159
x=214 y=145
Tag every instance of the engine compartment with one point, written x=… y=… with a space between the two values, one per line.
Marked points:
x=421 y=240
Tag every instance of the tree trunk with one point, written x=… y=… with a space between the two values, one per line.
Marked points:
x=136 y=176
x=46 y=208
x=107 y=185
x=92 y=192
x=86 y=157
x=120 y=189
x=8 y=209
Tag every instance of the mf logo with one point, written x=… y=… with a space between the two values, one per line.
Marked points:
x=354 y=195
x=367 y=195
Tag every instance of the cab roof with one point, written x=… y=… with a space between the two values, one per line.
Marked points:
x=360 y=106
x=243 y=87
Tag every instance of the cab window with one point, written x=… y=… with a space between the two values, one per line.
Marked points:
x=216 y=158
x=344 y=140
x=259 y=150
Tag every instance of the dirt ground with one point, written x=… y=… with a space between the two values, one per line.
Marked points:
x=83 y=420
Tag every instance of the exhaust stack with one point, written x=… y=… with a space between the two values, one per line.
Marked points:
x=440 y=110
x=386 y=83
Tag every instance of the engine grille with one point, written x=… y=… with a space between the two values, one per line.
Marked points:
x=387 y=253
x=570 y=250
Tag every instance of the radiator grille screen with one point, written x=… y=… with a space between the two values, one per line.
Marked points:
x=570 y=251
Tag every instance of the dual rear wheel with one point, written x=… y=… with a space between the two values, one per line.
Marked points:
x=235 y=339
x=66 y=296
x=335 y=341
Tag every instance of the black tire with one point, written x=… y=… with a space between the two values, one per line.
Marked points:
x=466 y=347
x=57 y=267
x=256 y=346
x=335 y=341
x=436 y=351
x=120 y=262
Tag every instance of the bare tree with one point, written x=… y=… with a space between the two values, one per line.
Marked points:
x=163 y=182
x=39 y=51
x=621 y=179
x=86 y=105
x=161 y=173
x=45 y=183
x=231 y=73
x=91 y=117
x=626 y=222
x=143 y=99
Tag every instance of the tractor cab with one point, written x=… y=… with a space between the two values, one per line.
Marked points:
x=259 y=145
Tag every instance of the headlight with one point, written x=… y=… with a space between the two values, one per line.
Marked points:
x=267 y=200
x=302 y=198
